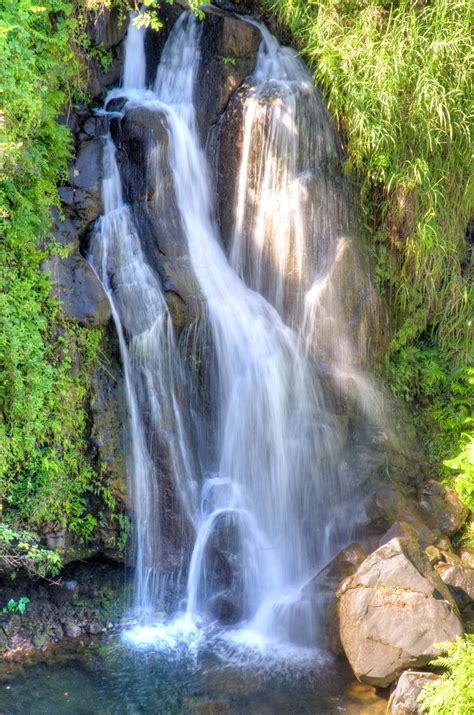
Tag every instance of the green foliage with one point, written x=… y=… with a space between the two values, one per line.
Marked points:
x=21 y=550
x=146 y=12
x=453 y=693
x=16 y=606
x=443 y=397
x=397 y=77
x=45 y=472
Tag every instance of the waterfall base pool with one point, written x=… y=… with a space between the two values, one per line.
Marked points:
x=173 y=675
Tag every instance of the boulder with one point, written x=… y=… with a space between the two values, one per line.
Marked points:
x=442 y=507
x=80 y=198
x=460 y=581
x=63 y=229
x=393 y=611
x=86 y=171
x=404 y=699
x=78 y=289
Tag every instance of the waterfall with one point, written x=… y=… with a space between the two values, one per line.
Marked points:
x=261 y=507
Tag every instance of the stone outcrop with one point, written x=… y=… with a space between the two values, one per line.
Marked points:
x=404 y=699
x=109 y=418
x=91 y=598
x=393 y=611
x=228 y=54
x=442 y=507
x=78 y=289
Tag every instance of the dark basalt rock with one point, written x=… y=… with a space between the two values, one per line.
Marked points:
x=143 y=141
x=109 y=418
x=100 y=80
x=63 y=229
x=229 y=48
x=155 y=40
x=107 y=26
x=80 y=292
x=223 y=590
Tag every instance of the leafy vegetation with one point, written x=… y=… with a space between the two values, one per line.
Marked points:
x=16 y=606
x=21 y=550
x=45 y=472
x=397 y=78
x=453 y=693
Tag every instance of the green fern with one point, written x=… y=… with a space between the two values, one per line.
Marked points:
x=453 y=693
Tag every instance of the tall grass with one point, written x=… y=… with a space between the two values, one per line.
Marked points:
x=398 y=80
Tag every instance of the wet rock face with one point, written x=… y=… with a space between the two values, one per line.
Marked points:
x=224 y=588
x=79 y=290
x=404 y=699
x=143 y=144
x=228 y=54
x=322 y=592
x=224 y=150
x=393 y=611
x=109 y=418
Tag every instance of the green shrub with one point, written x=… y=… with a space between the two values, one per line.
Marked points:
x=21 y=550
x=45 y=470
x=453 y=693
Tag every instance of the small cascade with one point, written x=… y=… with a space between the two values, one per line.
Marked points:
x=154 y=380
x=250 y=501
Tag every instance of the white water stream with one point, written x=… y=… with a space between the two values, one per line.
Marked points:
x=269 y=496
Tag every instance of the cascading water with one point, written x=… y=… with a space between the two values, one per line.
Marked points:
x=269 y=481
x=294 y=227
x=151 y=364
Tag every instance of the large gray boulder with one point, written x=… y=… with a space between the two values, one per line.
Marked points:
x=393 y=611
x=404 y=699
